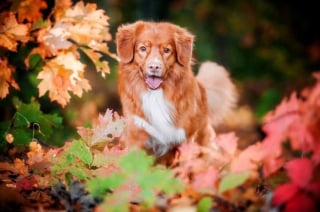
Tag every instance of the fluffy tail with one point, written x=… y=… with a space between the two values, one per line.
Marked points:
x=221 y=92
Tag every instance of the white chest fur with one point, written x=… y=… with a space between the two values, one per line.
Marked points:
x=159 y=124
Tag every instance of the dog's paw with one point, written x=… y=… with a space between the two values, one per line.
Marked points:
x=180 y=135
x=139 y=122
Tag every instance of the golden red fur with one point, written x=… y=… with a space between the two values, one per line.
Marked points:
x=165 y=103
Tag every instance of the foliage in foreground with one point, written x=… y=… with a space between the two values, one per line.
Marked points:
x=119 y=178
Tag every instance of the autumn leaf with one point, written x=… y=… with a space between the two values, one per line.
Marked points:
x=206 y=180
x=101 y=66
x=6 y=77
x=110 y=126
x=30 y=10
x=56 y=38
x=62 y=75
x=228 y=142
x=60 y=7
x=301 y=202
x=11 y=32
x=248 y=159
x=300 y=171
x=284 y=193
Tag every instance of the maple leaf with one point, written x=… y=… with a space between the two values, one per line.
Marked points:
x=87 y=23
x=228 y=142
x=60 y=7
x=101 y=66
x=6 y=78
x=206 y=180
x=109 y=126
x=248 y=159
x=61 y=75
x=30 y=10
x=284 y=193
x=11 y=32
x=300 y=202
x=298 y=177
x=56 y=38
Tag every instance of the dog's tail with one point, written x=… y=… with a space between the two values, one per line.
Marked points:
x=221 y=92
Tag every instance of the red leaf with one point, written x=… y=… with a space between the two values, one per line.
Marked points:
x=284 y=193
x=300 y=203
x=206 y=179
x=248 y=159
x=271 y=165
x=314 y=188
x=228 y=142
x=300 y=171
x=27 y=183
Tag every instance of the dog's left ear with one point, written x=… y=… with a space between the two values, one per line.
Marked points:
x=125 y=43
x=184 y=45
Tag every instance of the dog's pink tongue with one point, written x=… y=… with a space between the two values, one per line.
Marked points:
x=153 y=82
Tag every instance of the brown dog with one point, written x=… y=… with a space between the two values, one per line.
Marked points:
x=165 y=102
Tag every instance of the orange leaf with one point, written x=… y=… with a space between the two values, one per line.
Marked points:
x=248 y=159
x=6 y=78
x=62 y=75
x=11 y=31
x=30 y=10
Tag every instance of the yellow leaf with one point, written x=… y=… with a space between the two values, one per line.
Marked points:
x=11 y=31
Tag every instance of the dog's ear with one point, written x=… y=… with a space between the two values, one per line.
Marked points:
x=184 y=45
x=125 y=39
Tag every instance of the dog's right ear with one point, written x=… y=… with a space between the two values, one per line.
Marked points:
x=125 y=39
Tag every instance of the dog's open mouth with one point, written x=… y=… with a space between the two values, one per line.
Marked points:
x=153 y=82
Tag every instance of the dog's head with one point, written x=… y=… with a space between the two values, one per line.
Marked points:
x=155 y=47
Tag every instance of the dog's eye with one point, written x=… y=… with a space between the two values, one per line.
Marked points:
x=166 y=50
x=143 y=48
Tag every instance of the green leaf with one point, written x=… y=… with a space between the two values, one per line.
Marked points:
x=99 y=187
x=136 y=161
x=80 y=150
x=30 y=120
x=35 y=62
x=233 y=180
x=205 y=204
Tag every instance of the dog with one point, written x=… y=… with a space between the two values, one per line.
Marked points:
x=165 y=103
